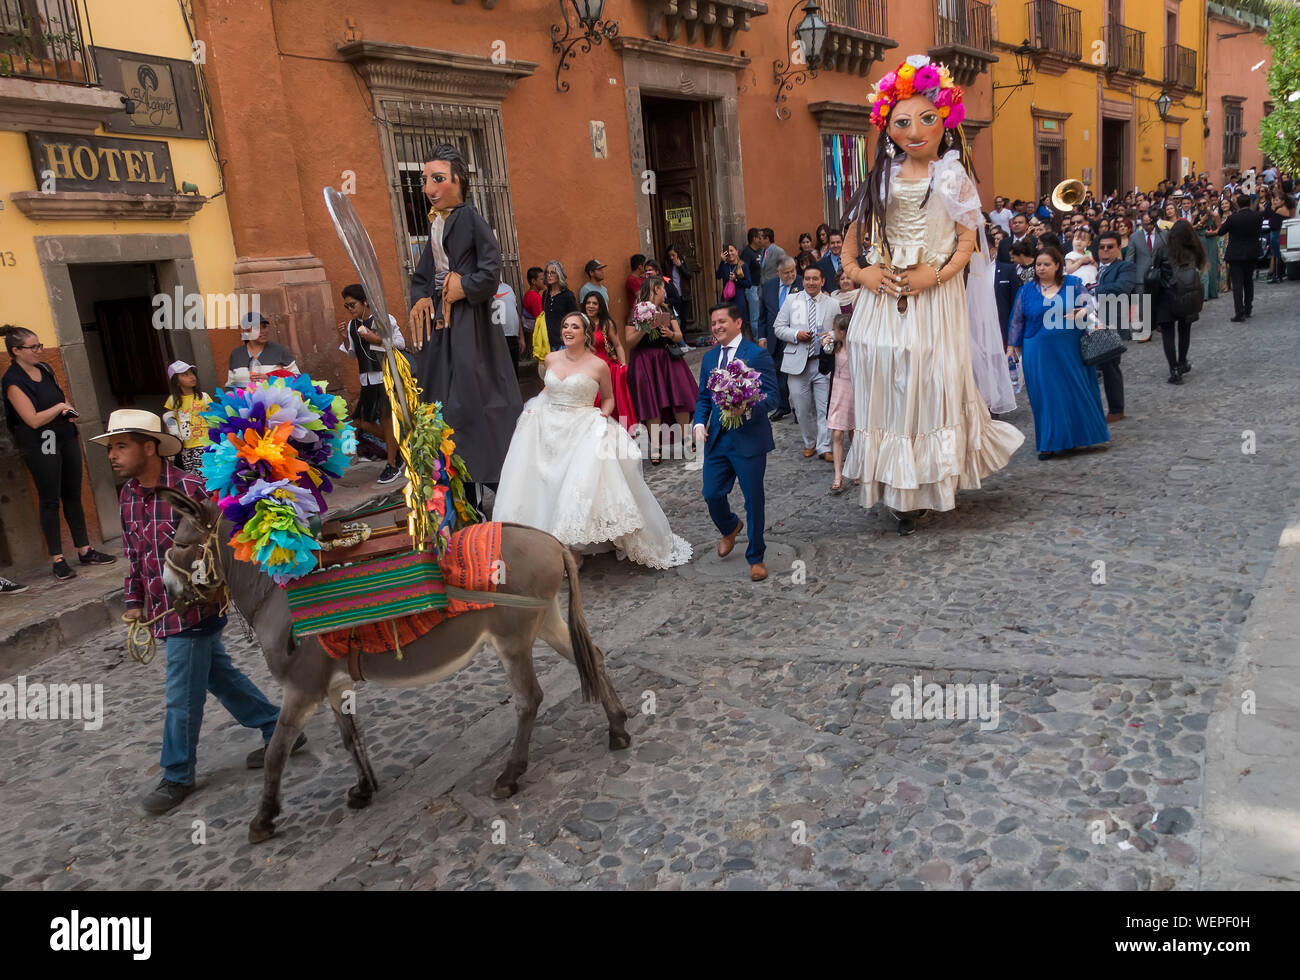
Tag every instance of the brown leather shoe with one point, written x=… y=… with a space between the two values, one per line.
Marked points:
x=728 y=541
x=1114 y=416
x=809 y=453
x=829 y=457
x=757 y=572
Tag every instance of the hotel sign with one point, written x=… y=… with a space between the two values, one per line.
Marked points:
x=101 y=163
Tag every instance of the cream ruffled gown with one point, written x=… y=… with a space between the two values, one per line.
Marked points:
x=921 y=428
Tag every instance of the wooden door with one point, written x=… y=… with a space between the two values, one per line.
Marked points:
x=677 y=151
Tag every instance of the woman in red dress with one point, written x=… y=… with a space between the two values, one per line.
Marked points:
x=609 y=348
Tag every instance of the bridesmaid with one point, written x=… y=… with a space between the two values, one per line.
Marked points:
x=1062 y=389
x=609 y=348
x=663 y=388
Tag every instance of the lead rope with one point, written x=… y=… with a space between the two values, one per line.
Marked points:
x=142 y=651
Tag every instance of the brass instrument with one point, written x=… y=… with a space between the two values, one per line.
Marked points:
x=1068 y=194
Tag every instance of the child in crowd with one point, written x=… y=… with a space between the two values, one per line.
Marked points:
x=839 y=412
x=1079 y=261
x=184 y=417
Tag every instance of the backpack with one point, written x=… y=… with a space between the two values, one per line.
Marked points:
x=1185 y=293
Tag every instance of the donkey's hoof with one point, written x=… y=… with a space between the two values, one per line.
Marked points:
x=260 y=830
x=504 y=790
x=619 y=740
x=359 y=797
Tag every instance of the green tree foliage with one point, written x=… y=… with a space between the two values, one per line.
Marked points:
x=1280 y=131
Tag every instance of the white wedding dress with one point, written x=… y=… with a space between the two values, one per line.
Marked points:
x=577 y=474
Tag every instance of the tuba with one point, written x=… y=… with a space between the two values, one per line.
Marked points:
x=1067 y=194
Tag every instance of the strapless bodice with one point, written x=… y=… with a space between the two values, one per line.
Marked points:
x=575 y=391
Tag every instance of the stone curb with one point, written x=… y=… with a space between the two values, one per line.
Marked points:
x=29 y=645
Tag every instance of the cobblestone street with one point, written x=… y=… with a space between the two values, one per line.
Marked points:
x=764 y=752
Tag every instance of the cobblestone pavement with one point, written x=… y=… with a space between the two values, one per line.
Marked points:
x=764 y=750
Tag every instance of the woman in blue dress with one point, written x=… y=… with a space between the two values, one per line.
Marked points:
x=1062 y=389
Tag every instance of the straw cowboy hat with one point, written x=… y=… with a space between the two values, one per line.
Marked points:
x=143 y=423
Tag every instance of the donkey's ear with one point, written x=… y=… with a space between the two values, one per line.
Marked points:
x=180 y=502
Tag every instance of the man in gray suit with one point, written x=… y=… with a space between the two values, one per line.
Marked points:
x=1147 y=242
x=772 y=256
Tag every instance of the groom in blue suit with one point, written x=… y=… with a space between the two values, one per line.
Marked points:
x=740 y=453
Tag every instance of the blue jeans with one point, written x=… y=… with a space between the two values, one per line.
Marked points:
x=196 y=664
x=755 y=308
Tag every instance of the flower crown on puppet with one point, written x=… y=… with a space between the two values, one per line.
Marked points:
x=918 y=75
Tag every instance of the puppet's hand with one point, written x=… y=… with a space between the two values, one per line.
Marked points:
x=421 y=313
x=451 y=290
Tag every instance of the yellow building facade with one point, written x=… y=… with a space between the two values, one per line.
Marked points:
x=112 y=219
x=1078 y=94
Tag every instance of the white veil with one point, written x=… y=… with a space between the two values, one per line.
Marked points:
x=987 y=354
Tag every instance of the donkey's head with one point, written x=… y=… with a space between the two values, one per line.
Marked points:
x=192 y=572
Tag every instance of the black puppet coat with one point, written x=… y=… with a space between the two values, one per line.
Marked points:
x=467 y=366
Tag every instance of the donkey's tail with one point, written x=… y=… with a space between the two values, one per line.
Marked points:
x=585 y=653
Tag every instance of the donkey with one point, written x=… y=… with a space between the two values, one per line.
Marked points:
x=199 y=565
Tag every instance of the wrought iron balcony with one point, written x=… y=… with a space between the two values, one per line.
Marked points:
x=858 y=35
x=1180 y=67
x=963 y=38
x=1056 y=34
x=1125 y=50
x=45 y=40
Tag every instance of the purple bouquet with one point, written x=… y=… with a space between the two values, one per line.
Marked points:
x=736 y=390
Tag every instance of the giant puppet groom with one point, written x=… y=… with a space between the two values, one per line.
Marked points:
x=463 y=362
x=739 y=453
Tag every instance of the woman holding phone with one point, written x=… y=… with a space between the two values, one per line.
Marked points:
x=42 y=422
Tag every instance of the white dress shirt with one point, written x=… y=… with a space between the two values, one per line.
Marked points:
x=374 y=377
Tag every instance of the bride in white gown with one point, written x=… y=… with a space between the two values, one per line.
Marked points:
x=573 y=471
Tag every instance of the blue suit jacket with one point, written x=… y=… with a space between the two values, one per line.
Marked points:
x=771 y=307
x=754 y=436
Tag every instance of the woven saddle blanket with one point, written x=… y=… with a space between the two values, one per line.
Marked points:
x=382 y=605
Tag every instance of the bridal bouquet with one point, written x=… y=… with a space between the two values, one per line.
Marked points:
x=643 y=318
x=736 y=389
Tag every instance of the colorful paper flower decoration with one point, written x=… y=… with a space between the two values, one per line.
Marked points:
x=277 y=447
x=917 y=76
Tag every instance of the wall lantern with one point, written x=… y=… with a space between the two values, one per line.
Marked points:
x=811 y=35
x=593 y=30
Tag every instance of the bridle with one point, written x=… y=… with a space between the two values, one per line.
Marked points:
x=204 y=570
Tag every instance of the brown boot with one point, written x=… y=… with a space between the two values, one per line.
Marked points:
x=728 y=541
x=757 y=572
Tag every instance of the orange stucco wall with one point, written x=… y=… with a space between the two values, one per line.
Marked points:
x=292 y=120
x=1230 y=63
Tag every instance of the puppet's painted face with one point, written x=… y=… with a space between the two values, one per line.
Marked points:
x=915 y=125
x=439 y=186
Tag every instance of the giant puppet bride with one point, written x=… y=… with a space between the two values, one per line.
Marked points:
x=927 y=361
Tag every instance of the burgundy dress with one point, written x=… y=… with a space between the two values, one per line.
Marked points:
x=661 y=385
x=624 y=409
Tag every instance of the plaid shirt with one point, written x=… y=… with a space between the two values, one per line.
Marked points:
x=148 y=529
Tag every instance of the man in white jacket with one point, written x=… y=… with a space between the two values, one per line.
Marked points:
x=804 y=324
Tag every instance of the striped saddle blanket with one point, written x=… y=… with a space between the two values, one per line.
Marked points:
x=381 y=604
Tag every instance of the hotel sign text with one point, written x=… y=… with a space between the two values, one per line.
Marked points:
x=102 y=163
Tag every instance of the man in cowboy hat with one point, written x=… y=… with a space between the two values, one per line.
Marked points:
x=197 y=662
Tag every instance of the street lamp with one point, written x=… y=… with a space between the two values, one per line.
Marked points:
x=811 y=34
x=593 y=31
x=1024 y=53
x=1163 y=102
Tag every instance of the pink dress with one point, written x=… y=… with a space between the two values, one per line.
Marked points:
x=839 y=413
x=624 y=410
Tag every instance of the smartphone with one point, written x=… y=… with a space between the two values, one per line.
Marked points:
x=72 y=413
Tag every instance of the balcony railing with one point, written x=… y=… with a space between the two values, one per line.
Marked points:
x=1180 y=66
x=963 y=22
x=45 y=39
x=1054 y=29
x=867 y=16
x=1125 y=49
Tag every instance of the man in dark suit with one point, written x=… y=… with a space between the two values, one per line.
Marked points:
x=1242 y=228
x=1006 y=283
x=1116 y=283
x=1019 y=231
x=739 y=453
x=830 y=262
x=774 y=293
x=463 y=359
x=1145 y=245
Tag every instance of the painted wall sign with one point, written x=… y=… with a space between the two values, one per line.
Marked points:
x=102 y=163
x=679 y=219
